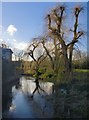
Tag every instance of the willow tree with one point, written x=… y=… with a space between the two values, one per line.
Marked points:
x=53 y=51
x=36 y=55
x=55 y=21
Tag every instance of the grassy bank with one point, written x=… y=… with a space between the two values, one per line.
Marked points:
x=71 y=100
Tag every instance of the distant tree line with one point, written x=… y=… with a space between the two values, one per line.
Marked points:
x=82 y=62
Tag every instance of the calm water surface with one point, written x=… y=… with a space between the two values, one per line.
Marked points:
x=19 y=102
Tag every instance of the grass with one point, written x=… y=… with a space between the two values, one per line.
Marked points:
x=76 y=100
x=82 y=70
x=81 y=75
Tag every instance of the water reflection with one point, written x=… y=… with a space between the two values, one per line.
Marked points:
x=20 y=104
x=37 y=88
x=7 y=96
x=31 y=87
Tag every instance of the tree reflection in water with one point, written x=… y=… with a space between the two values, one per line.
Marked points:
x=38 y=88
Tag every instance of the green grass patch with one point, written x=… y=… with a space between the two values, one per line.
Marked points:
x=82 y=70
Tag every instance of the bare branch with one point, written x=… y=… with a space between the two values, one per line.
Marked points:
x=72 y=43
x=42 y=58
x=49 y=21
x=43 y=43
x=79 y=34
x=59 y=18
x=78 y=9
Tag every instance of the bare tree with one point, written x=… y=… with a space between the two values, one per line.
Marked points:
x=55 y=23
x=32 y=48
x=53 y=53
x=44 y=40
x=20 y=55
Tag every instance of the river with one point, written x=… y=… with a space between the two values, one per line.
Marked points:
x=26 y=99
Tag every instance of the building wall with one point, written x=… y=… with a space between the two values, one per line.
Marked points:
x=7 y=54
x=9 y=70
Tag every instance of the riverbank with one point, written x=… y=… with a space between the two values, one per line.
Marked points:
x=18 y=102
x=71 y=100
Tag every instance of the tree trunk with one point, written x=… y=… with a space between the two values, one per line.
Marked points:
x=66 y=61
x=70 y=57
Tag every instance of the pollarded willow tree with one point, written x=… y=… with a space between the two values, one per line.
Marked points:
x=55 y=21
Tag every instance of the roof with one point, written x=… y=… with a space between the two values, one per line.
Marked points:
x=7 y=49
